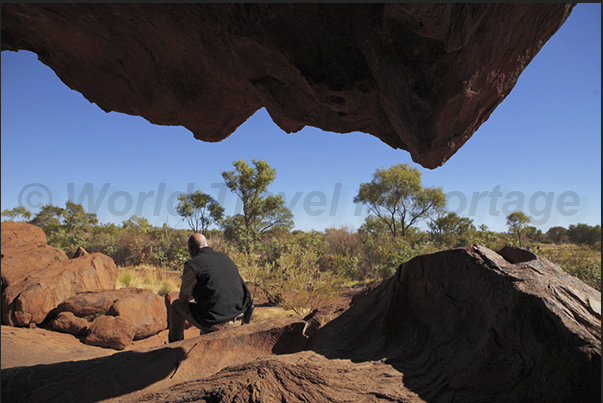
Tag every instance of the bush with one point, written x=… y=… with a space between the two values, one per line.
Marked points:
x=302 y=286
x=589 y=273
x=579 y=261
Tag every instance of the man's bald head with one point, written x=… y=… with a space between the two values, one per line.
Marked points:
x=196 y=242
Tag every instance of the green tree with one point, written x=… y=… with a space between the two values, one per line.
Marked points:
x=274 y=215
x=74 y=217
x=557 y=234
x=261 y=212
x=517 y=223
x=18 y=214
x=137 y=224
x=49 y=218
x=451 y=229
x=532 y=234
x=397 y=198
x=200 y=210
x=584 y=234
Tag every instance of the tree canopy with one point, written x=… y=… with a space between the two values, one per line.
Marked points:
x=397 y=198
x=261 y=212
x=200 y=210
x=518 y=223
x=584 y=234
x=17 y=214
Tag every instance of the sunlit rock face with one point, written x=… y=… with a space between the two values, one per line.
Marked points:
x=420 y=77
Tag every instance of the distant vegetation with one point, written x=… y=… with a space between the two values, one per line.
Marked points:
x=301 y=270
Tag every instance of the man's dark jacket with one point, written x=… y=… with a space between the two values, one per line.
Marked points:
x=220 y=293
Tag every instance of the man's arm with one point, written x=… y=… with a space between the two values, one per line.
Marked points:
x=188 y=283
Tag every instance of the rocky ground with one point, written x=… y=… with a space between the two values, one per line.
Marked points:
x=467 y=324
x=22 y=346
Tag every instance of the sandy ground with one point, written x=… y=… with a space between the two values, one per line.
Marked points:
x=26 y=347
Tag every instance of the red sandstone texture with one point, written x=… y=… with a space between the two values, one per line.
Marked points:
x=467 y=324
x=420 y=77
x=37 y=277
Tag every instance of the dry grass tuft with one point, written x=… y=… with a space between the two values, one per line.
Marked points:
x=146 y=277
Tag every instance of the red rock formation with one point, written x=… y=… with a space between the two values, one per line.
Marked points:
x=24 y=250
x=111 y=331
x=36 y=277
x=67 y=322
x=470 y=324
x=79 y=252
x=467 y=325
x=141 y=308
x=420 y=77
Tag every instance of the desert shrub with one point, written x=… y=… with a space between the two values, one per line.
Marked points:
x=345 y=267
x=180 y=256
x=383 y=254
x=271 y=313
x=68 y=242
x=303 y=286
x=580 y=261
x=490 y=239
x=249 y=268
x=589 y=273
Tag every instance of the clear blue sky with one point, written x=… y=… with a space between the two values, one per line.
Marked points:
x=540 y=151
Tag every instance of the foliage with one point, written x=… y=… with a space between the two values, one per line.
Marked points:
x=200 y=210
x=557 y=234
x=71 y=218
x=74 y=216
x=396 y=197
x=451 y=229
x=49 y=218
x=302 y=286
x=384 y=253
x=17 y=214
x=589 y=273
x=137 y=224
x=261 y=212
x=584 y=234
x=302 y=270
x=517 y=223
x=483 y=236
x=579 y=261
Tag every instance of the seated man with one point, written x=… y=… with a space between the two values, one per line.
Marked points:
x=213 y=280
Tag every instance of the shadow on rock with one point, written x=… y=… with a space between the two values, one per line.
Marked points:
x=469 y=325
x=90 y=380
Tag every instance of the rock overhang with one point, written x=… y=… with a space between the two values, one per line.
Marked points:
x=420 y=77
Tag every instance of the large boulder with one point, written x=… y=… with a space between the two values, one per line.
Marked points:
x=67 y=322
x=145 y=311
x=421 y=77
x=110 y=331
x=470 y=324
x=142 y=308
x=24 y=250
x=36 y=277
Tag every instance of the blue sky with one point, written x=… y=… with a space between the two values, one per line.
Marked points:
x=539 y=152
